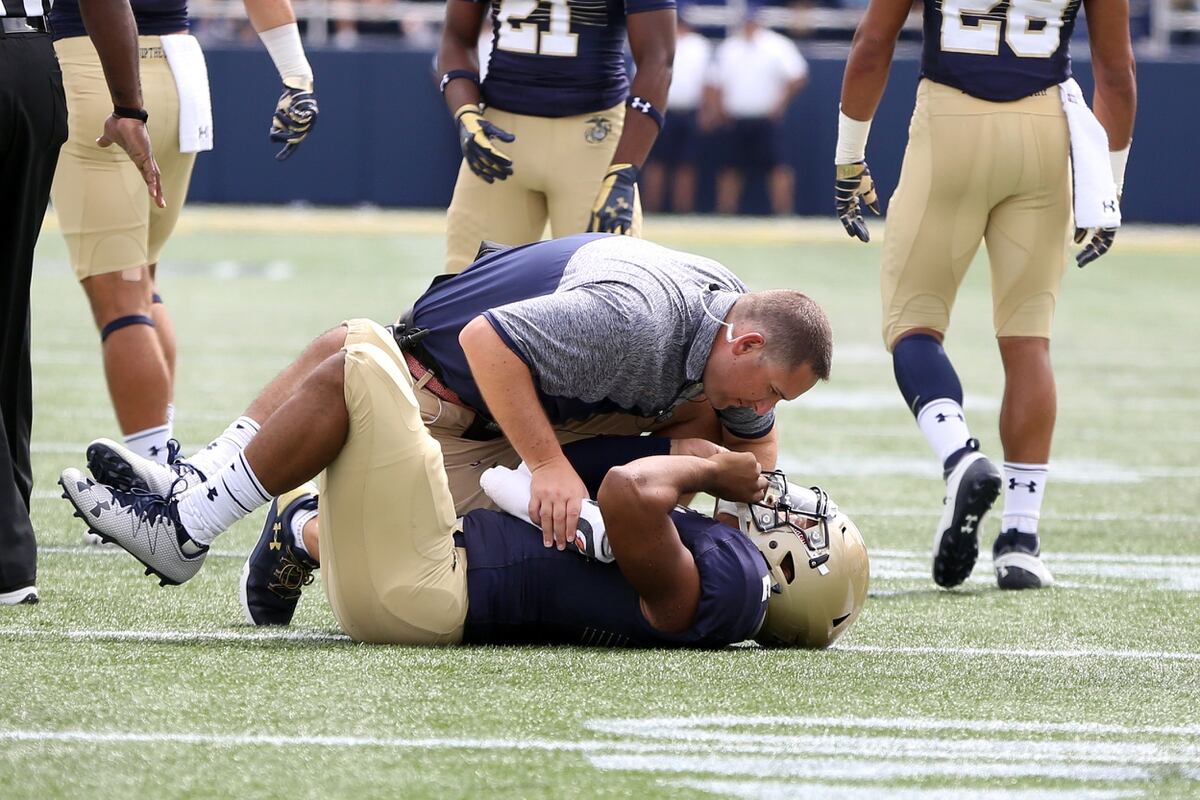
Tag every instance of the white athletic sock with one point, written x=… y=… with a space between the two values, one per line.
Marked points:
x=150 y=443
x=1024 y=488
x=945 y=427
x=230 y=494
x=225 y=447
x=299 y=520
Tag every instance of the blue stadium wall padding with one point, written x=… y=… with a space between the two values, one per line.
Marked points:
x=385 y=138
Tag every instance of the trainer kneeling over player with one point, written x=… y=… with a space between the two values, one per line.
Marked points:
x=400 y=568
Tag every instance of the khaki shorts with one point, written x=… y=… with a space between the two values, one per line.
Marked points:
x=390 y=567
x=465 y=459
x=103 y=208
x=558 y=166
x=976 y=170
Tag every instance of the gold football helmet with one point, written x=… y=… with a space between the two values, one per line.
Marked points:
x=817 y=559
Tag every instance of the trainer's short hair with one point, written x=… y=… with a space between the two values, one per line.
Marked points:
x=795 y=327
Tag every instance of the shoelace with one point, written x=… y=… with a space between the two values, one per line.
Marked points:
x=291 y=575
x=178 y=463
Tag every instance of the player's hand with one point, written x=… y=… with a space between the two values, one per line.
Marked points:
x=1102 y=239
x=853 y=189
x=613 y=212
x=701 y=448
x=476 y=134
x=295 y=116
x=738 y=477
x=132 y=137
x=555 y=496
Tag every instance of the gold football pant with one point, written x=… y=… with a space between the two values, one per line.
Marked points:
x=104 y=211
x=558 y=166
x=388 y=560
x=975 y=170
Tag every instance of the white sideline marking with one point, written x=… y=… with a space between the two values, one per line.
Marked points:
x=251 y=636
x=663 y=726
x=996 y=652
x=854 y=769
x=248 y=636
x=763 y=790
x=1075 y=472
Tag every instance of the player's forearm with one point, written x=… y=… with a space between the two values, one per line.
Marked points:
x=866 y=76
x=870 y=58
x=765 y=448
x=1115 y=102
x=652 y=42
x=111 y=26
x=267 y=14
x=507 y=387
x=459 y=50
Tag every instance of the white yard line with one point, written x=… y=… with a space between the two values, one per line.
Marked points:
x=788 y=790
x=317 y=637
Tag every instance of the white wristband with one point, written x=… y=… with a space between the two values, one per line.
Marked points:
x=1117 y=159
x=852 y=139
x=283 y=43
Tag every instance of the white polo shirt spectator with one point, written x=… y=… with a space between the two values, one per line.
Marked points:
x=754 y=70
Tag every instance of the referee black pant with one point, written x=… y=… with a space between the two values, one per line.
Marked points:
x=33 y=126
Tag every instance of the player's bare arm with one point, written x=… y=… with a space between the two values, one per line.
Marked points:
x=458 y=63
x=636 y=500
x=765 y=448
x=296 y=110
x=111 y=27
x=863 y=83
x=506 y=384
x=1114 y=103
x=652 y=42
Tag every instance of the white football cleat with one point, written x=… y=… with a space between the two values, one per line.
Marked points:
x=1017 y=559
x=144 y=525
x=972 y=486
x=115 y=465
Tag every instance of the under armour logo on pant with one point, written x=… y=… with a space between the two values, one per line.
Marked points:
x=1013 y=483
x=1110 y=206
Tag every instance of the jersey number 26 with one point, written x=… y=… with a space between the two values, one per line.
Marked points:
x=1032 y=28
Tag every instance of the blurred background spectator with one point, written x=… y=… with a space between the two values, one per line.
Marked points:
x=677 y=148
x=754 y=75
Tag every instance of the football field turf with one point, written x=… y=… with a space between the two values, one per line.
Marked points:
x=115 y=687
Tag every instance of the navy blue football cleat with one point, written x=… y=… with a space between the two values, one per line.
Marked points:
x=972 y=486
x=276 y=572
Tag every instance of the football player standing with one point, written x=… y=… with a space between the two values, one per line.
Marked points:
x=998 y=131
x=555 y=132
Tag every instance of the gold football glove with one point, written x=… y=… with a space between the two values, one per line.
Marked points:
x=854 y=182
x=475 y=134
x=613 y=211
x=295 y=115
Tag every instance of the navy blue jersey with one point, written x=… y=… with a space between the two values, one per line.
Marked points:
x=558 y=58
x=998 y=51
x=520 y=592
x=153 y=17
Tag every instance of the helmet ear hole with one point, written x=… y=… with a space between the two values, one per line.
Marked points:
x=788 y=565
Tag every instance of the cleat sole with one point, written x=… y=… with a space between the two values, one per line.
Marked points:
x=113 y=471
x=958 y=550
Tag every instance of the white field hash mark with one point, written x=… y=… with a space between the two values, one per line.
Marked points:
x=316 y=637
x=771 y=757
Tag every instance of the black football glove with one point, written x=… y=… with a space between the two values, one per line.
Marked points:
x=476 y=134
x=295 y=115
x=854 y=182
x=613 y=212
x=1102 y=239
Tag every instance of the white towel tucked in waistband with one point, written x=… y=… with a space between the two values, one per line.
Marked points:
x=1095 y=192
x=191 y=80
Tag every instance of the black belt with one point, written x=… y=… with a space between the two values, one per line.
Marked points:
x=19 y=25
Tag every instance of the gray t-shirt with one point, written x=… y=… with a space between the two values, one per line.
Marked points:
x=627 y=325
